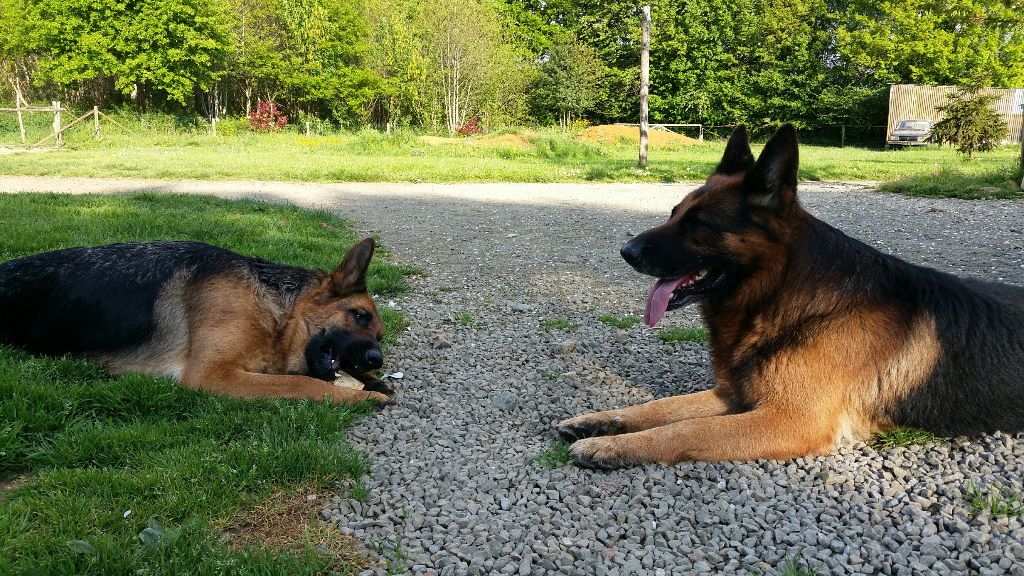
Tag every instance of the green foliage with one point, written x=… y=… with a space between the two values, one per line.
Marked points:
x=170 y=47
x=791 y=567
x=973 y=42
x=683 y=334
x=624 y=322
x=554 y=456
x=549 y=324
x=323 y=44
x=970 y=123
x=473 y=70
x=997 y=500
x=464 y=319
x=904 y=436
x=569 y=80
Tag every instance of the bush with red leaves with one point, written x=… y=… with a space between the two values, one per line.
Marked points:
x=471 y=127
x=266 y=118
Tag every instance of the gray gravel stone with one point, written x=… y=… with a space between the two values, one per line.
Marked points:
x=453 y=473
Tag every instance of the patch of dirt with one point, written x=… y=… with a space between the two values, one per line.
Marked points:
x=8 y=484
x=505 y=140
x=614 y=134
x=289 y=521
x=441 y=140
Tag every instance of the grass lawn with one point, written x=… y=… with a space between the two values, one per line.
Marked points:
x=544 y=155
x=140 y=475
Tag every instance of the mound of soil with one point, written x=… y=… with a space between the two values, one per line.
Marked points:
x=613 y=134
x=505 y=141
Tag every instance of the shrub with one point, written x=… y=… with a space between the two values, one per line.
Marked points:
x=971 y=124
x=266 y=118
x=471 y=127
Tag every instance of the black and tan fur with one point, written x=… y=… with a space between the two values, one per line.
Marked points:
x=815 y=337
x=209 y=317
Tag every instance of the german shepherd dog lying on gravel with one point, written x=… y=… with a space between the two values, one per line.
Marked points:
x=815 y=337
x=213 y=319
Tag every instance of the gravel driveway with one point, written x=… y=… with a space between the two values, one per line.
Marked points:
x=455 y=488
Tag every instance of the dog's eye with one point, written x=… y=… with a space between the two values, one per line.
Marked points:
x=361 y=317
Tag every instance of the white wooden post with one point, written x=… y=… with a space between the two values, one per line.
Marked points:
x=19 y=103
x=645 y=63
x=57 y=136
x=96 y=122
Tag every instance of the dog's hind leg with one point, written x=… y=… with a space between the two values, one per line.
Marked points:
x=762 y=433
x=649 y=415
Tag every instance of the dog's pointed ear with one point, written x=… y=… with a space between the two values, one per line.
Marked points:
x=771 y=183
x=737 y=158
x=350 y=276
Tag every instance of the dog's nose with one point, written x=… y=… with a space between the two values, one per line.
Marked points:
x=632 y=251
x=374 y=359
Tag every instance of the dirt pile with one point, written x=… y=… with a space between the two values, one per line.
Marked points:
x=616 y=134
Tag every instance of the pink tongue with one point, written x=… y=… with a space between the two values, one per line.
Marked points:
x=657 y=301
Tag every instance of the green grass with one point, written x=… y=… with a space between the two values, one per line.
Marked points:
x=550 y=374
x=904 y=436
x=164 y=150
x=996 y=499
x=956 y=182
x=554 y=456
x=549 y=324
x=464 y=319
x=683 y=334
x=85 y=448
x=624 y=322
x=791 y=567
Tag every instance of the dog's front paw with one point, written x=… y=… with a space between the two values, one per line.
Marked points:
x=380 y=400
x=372 y=384
x=602 y=453
x=599 y=424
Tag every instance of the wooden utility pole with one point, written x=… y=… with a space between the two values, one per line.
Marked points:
x=58 y=137
x=645 y=65
x=20 y=103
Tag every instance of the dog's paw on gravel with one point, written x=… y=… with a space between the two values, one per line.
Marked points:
x=602 y=453
x=588 y=425
x=372 y=384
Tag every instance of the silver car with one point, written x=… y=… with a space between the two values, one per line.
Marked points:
x=911 y=133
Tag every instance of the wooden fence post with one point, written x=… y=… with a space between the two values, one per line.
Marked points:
x=842 y=137
x=19 y=103
x=96 y=122
x=645 y=64
x=58 y=138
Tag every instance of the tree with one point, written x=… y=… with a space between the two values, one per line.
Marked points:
x=470 y=62
x=978 y=42
x=569 y=79
x=324 y=46
x=166 y=47
x=255 y=59
x=396 y=57
x=970 y=123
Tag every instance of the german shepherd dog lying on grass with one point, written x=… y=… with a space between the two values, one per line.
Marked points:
x=815 y=337
x=213 y=319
